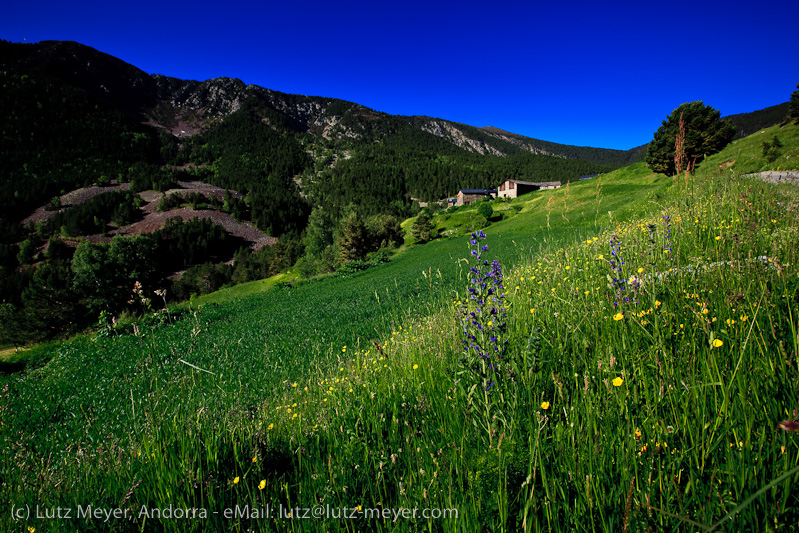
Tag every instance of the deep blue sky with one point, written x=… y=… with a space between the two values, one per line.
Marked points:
x=601 y=74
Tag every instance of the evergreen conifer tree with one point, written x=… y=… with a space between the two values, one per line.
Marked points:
x=704 y=134
x=793 y=104
x=422 y=227
x=351 y=243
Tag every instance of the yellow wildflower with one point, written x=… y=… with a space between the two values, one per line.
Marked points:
x=617 y=382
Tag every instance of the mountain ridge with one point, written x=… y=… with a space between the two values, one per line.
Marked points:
x=186 y=107
x=171 y=103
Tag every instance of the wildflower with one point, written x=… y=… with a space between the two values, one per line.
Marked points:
x=270 y=426
x=262 y=484
x=788 y=425
x=618 y=316
x=415 y=367
x=483 y=322
x=236 y=480
x=640 y=270
x=718 y=343
x=544 y=405
x=617 y=381
x=625 y=289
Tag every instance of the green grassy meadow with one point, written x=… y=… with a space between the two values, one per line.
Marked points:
x=658 y=397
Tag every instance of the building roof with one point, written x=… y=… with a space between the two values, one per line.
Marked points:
x=478 y=191
x=520 y=182
x=537 y=183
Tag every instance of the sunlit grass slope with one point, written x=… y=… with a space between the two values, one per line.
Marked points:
x=649 y=398
x=746 y=155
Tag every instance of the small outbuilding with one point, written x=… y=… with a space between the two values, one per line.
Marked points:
x=469 y=196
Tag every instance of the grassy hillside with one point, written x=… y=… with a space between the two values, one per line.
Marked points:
x=746 y=155
x=650 y=365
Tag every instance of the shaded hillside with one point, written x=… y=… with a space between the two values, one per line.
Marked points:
x=59 y=137
x=604 y=156
x=748 y=123
x=124 y=86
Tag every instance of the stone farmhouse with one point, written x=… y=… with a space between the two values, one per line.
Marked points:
x=515 y=188
x=469 y=196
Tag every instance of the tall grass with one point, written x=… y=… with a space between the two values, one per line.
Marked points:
x=647 y=394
